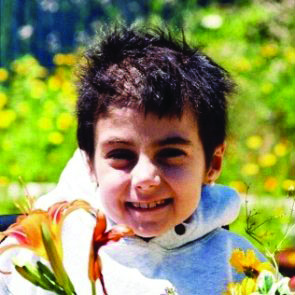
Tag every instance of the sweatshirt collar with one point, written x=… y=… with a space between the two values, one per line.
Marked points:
x=219 y=205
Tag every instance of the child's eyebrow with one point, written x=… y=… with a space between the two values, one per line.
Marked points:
x=173 y=140
x=116 y=140
x=170 y=140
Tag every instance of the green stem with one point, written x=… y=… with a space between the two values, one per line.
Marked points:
x=93 y=288
x=290 y=227
x=55 y=261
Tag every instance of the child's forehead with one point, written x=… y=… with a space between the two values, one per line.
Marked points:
x=123 y=113
x=133 y=119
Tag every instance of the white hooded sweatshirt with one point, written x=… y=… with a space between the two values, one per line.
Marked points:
x=192 y=259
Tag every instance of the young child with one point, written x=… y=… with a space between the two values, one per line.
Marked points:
x=152 y=115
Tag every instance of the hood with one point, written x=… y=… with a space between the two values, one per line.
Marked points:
x=219 y=205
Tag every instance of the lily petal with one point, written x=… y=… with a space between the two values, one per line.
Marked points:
x=27 y=228
x=100 y=238
x=119 y=231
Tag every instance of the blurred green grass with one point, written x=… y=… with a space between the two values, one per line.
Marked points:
x=254 y=42
x=13 y=195
x=265 y=221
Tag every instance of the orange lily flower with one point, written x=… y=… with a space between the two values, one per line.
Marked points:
x=27 y=228
x=100 y=238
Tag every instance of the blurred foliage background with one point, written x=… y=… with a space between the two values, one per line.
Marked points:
x=41 y=42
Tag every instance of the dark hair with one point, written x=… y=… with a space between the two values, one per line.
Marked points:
x=153 y=71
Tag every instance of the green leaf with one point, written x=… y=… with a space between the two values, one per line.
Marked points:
x=45 y=271
x=265 y=282
x=35 y=276
x=31 y=274
x=47 y=275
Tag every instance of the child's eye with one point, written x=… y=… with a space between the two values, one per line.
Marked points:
x=120 y=158
x=121 y=154
x=171 y=156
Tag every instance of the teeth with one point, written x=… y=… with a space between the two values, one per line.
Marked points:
x=147 y=205
x=135 y=205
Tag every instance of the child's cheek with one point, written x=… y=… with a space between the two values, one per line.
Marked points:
x=114 y=184
x=180 y=175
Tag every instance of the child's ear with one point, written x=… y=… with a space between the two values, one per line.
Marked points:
x=216 y=164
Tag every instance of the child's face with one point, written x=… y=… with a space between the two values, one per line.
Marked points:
x=150 y=170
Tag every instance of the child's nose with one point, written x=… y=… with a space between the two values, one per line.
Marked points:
x=145 y=176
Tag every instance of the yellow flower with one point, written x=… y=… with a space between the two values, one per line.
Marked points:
x=59 y=59
x=281 y=149
x=246 y=287
x=64 y=121
x=61 y=73
x=290 y=55
x=267 y=160
x=3 y=99
x=27 y=65
x=270 y=184
x=4 y=180
x=232 y=289
x=69 y=59
x=240 y=186
x=250 y=169
x=38 y=89
x=55 y=138
x=248 y=263
x=254 y=142
x=54 y=83
x=42 y=72
x=68 y=89
x=269 y=50
x=3 y=74
x=19 y=68
x=243 y=65
x=64 y=59
x=7 y=117
x=288 y=184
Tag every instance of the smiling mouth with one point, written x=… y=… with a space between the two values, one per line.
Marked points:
x=148 y=205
